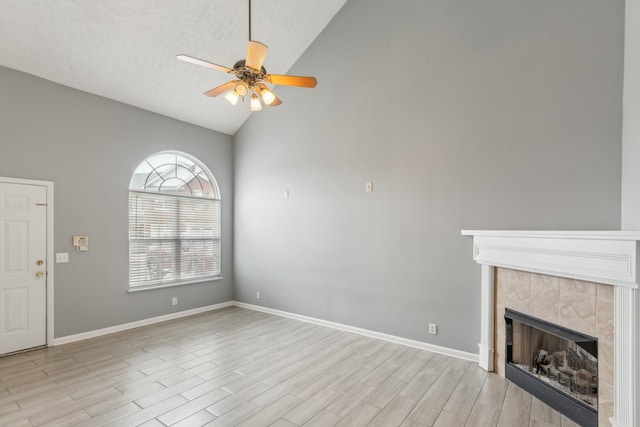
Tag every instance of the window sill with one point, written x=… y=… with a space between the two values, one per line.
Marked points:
x=172 y=285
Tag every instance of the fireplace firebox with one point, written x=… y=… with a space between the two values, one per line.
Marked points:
x=557 y=365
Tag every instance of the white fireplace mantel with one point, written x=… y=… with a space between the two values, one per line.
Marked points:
x=609 y=257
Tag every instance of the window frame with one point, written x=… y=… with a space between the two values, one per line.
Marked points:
x=199 y=205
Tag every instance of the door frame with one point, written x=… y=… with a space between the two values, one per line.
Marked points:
x=49 y=242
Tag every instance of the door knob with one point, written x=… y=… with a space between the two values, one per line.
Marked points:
x=40 y=274
x=39 y=262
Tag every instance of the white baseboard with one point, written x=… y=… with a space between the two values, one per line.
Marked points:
x=137 y=324
x=366 y=332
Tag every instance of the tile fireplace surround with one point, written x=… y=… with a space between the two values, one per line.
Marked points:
x=598 y=265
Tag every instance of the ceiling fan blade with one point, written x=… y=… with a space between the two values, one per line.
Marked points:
x=219 y=90
x=191 y=59
x=300 y=81
x=256 y=52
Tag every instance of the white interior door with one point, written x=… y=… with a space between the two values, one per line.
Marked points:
x=23 y=267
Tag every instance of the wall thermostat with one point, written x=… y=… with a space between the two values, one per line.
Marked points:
x=81 y=243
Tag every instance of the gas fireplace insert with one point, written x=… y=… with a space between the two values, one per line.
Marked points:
x=555 y=364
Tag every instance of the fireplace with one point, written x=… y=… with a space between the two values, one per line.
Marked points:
x=557 y=365
x=586 y=281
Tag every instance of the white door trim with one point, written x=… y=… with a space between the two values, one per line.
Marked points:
x=50 y=254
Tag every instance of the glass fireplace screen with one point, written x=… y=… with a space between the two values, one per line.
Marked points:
x=561 y=358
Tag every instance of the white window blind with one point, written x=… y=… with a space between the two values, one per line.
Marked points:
x=173 y=239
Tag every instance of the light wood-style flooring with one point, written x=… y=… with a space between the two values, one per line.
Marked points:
x=241 y=367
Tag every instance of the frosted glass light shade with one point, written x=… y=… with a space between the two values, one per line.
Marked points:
x=254 y=104
x=232 y=97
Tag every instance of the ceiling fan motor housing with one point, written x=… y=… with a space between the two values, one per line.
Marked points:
x=247 y=74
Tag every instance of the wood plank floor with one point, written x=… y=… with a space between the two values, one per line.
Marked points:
x=240 y=367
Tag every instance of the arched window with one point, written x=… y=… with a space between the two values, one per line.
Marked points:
x=174 y=222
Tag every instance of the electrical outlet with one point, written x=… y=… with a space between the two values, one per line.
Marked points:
x=257 y=294
x=174 y=301
x=433 y=329
x=62 y=257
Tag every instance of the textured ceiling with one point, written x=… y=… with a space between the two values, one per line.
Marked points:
x=125 y=49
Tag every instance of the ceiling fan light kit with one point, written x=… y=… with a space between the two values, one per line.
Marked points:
x=267 y=96
x=232 y=97
x=251 y=77
x=254 y=104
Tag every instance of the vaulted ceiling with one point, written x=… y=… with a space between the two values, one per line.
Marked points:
x=126 y=49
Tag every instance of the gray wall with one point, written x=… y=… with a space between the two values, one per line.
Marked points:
x=631 y=126
x=89 y=146
x=495 y=114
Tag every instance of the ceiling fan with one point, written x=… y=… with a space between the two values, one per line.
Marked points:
x=251 y=77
